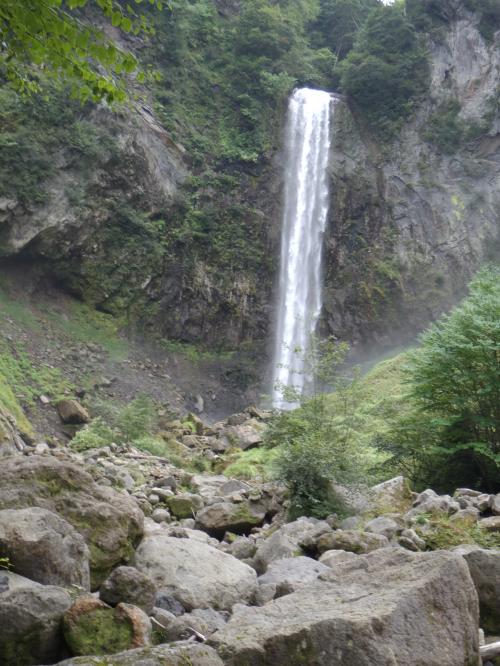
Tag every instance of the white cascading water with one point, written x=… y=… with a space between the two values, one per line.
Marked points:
x=304 y=221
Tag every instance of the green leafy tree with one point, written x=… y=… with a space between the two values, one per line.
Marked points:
x=339 y=21
x=452 y=437
x=387 y=69
x=315 y=442
x=54 y=39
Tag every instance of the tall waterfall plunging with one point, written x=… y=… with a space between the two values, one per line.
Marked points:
x=304 y=220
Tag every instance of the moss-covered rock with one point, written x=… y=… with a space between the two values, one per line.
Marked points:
x=221 y=517
x=93 y=628
x=110 y=522
x=184 y=506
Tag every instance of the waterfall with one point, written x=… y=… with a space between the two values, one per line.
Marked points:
x=304 y=219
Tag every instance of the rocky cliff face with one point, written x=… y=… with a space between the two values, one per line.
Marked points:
x=410 y=223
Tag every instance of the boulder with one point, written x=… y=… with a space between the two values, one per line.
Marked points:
x=44 y=547
x=491 y=524
x=30 y=617
x=93 y=628
x=495 y=505
x=71 y=411
x=388 y=607
x=175 y=654
x=390 y=496
x=166 y=602
x=196 y=574
x=332 y=558
x=202 y=621
x=185 y=505
x=432 y=504
x=284 y=542
x=484 y=567
x=483 y=502
x=411 y=540
x=288 y=575
x=127 y=585
x=351 y=541
x=111 y=523
x=221 y=517
x=383 y=525
x=247 y=435
x=243 y=548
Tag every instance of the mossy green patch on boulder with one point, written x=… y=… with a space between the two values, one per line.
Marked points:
x=221 y=517
x=184 y=506
x=91 y=627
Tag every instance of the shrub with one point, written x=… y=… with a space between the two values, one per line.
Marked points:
x=94 y=435
x=445 y=129
x=315 y=446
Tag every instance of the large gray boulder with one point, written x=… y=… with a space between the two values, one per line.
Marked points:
x=111 y=523
x=351 y=541
x=285 y=541
x=288 y=575
x=30 y=621
x=221 y=517
x=127 y=585
x=175 y=654
x=484 y=567
x=390 y=496
x=196 y=574
x=388 y=607
x=44 y=547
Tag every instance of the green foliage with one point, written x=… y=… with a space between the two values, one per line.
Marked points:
x=444 y=129
x=430 y=15
x=53 y=37
x=451 y=437
x=441 y=532
x=94 y=435
x=387 y=70
x=5 y=563
x=29 y=380
x=258 y=463
x=10 y=404
x=137 y=419
x=133 y=423
x=32 y=130
x=316 y=448
x=339 y=21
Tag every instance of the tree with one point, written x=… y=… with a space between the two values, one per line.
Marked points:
x=386 y=70
x=339 y=21
x=316 y=449
x=452 y=437
x=53 y=39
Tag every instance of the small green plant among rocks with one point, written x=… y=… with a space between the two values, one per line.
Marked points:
x=316 y=447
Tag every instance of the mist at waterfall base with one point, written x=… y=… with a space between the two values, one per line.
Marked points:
x=306 y=203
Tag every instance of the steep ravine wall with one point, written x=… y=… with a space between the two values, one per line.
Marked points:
x=409 y=225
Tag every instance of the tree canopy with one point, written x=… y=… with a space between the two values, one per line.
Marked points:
x=53 y=39
x=452 y=437
x=386 y=70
